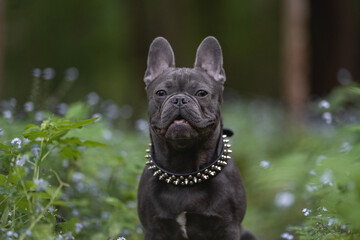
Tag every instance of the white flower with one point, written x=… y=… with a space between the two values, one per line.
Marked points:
x=22 y=160
x=65 y=164
x=327 y=117
x=59 y=237
x=345 y=147
x=93 y=98
x=39 y=116
x=284 y=199
x=97 y=115
x=7 y=114
x=287 y=236
x=41 y=184
x=324 y=104
x=112 y=111
x=319 y=159
x=310 y=188
x=71 y=74
x=16 y=141
x=306 y=211
x=326 y=178
x=10 y=213
x=29 y=106
x=62 y=108
x=265 y=164
x=78 y=227
x=324 y=209
x=69 y=236
x=332 y=221
x=35 y=151
x=142 y=125
x=28 y=232
x=48 y=73
x=9 y=233
x=36 y=72
x=107 y=134
x=78 y=176
x=121 y=238
x=312 y=172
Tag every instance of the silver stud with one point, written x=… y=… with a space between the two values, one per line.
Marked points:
x=163 y=176
x=226 y=140
x=168 y=180
x=206 y=171
x=227 y=157
x=199 y=180
x=227 y=151
x=186 y=181
x=212 y=173
x=190 y=177
x=213 y=167
x=176 y=182
x=227 y=145
x=157 y=173
x=149 y=162
x=191 y=183
x=152 y=167
x=224 y=136
x=150 y=144
x=195 y=180
x=173 y=177
x=147 y=156
x=147 y=150
x=198 y=174
x=181 y=177
x=204 y=176
x=182 y=183
x=217 y=168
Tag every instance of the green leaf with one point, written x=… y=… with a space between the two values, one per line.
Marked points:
x=5 y=216
x=3 y=180
x=16 y=174
x=32 y=135
x=23 y=204
x=70 y=153
x=5 y=147
x=31 y=126
x=79 y=124
x=355 y=90
x=90 y=143
x=60 y=203
x=69 y=226
x=42 y=195
x=77 y=111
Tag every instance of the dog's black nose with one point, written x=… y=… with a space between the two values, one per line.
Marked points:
x=179 y=101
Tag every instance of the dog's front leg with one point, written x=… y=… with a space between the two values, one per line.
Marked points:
x=154 y=235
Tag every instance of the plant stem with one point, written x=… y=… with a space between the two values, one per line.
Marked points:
x=32 y=225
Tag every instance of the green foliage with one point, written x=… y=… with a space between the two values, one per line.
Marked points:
x=79 y=179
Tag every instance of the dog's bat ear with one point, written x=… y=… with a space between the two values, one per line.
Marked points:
x=209 y=58
x=160 y=57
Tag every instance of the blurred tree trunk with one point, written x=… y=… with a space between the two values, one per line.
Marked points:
x=335 y=40
x=2 y=44
x=295 y=56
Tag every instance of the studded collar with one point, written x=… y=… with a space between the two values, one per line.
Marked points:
x=193 y=178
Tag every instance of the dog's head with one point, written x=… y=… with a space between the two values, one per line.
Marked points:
x=184 y=103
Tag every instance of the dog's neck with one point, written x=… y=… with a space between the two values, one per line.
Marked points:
x=190 y=156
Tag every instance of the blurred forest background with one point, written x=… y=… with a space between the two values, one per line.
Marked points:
x=271 y=48
x=73 y=140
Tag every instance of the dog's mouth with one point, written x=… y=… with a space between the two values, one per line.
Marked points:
x=180 y=120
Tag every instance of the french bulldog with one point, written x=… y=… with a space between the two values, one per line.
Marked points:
x=191 y=188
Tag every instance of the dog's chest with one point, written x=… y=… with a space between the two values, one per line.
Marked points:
x=188 y=225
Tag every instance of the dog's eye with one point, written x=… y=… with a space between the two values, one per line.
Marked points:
x=201 y=93
x=161 y=93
